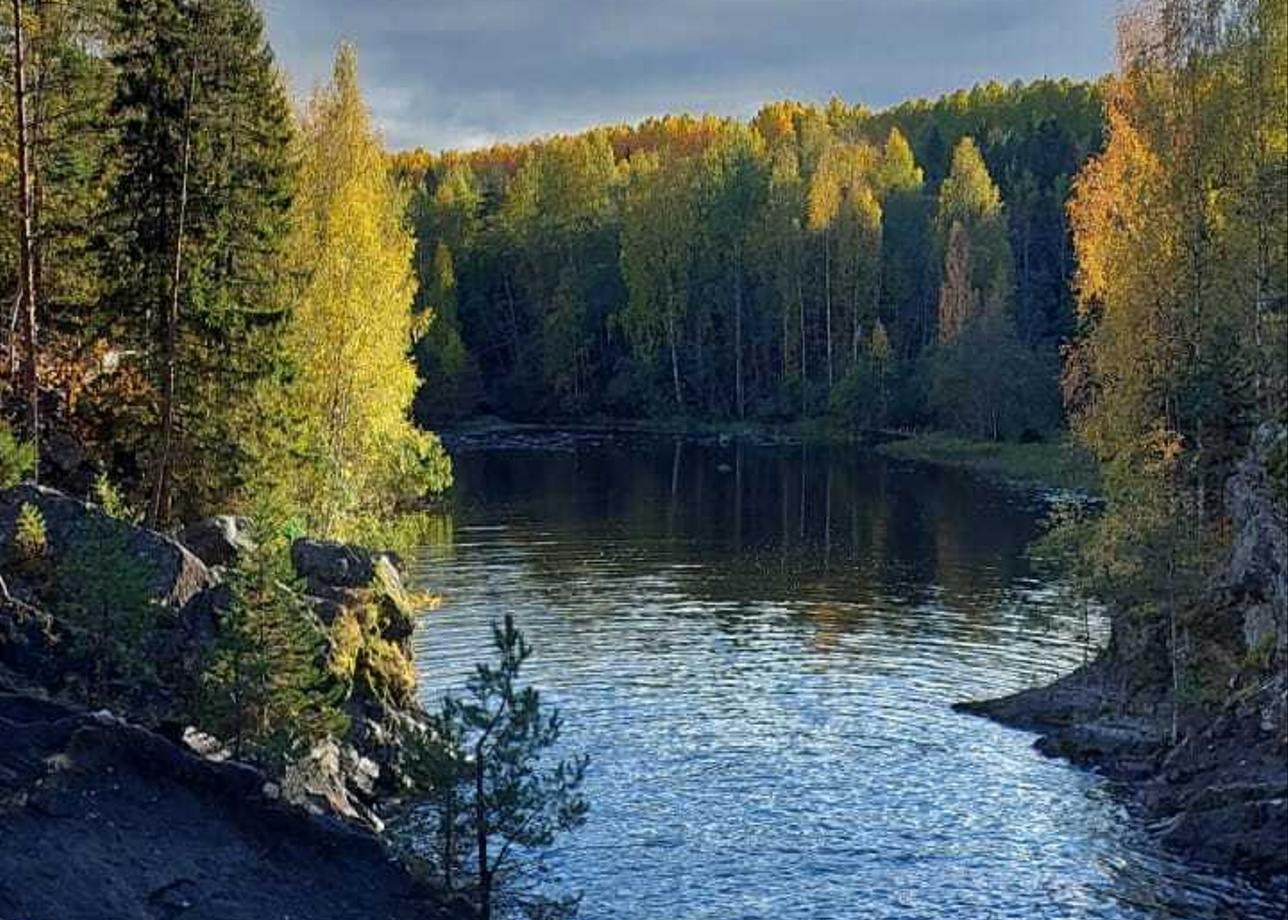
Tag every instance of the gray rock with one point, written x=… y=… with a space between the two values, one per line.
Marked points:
x=218 y=540
x=333 y=564
x=176 y=575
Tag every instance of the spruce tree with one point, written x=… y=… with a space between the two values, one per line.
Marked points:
x=201 y=203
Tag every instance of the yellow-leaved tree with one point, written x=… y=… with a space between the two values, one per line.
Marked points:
x=350 y=453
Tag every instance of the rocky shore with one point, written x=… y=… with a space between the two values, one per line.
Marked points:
x=1209 y=774
x=133 y=814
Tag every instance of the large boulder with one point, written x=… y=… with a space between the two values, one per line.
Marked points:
x=176 y=576
x=335 y=565
x=219 y=540
x=340 y=576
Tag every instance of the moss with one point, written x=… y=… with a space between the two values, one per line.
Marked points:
x=372 y=666
x=1055 y=464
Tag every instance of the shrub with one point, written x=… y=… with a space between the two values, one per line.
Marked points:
x=17 y=458
x=103 y=592
x=29 y=533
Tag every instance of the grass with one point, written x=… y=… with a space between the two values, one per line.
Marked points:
x=1058 y=464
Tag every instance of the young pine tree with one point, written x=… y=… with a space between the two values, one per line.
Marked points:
x=266 y=690
x=493 y=796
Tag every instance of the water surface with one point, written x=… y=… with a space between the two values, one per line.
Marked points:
x=759 y=646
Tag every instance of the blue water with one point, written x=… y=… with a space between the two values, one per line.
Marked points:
x=759 y=647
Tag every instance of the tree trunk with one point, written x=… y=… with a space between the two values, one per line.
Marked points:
x=737 y=326
x=160 y=506
x=827 y=305
x=800 y=302
x=480 y=832
x=26 y=237
x=675 y=361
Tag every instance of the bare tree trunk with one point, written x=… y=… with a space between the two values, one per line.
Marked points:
x=675 y=360
x=827 y=305
x=737 y=326
x=26 y=236
x=160 y=505
x=800 y=303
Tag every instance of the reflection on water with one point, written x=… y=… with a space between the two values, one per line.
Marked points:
x=759 y=647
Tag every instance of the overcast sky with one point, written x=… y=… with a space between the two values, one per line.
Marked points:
x=462 y=73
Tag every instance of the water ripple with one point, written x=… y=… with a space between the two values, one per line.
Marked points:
x=770 y=722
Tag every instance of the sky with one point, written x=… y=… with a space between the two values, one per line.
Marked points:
x=465 y=73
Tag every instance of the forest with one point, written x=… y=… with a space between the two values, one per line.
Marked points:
x=817 y=261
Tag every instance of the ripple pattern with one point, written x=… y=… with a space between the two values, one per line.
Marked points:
x=770 y=720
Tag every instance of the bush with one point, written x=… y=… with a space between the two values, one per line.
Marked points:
x=29 y=533
x=17 y=458
x=988 y=384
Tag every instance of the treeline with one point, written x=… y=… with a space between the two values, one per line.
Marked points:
x=211 y=295
x=904 y=267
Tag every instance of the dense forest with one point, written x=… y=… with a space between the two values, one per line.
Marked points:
x=814 y=261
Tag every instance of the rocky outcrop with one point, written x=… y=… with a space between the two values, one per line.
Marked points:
x=1219 y=795
x=219 y=540
x=175 y=575
x=101 y=818
x=366 y=590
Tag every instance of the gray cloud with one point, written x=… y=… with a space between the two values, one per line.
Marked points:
x=469 y=72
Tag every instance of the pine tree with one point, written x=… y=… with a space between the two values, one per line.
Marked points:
x=266 y=690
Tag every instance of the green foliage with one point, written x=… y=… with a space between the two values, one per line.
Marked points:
x=103 y=592
x=239 y=185
x=343 y=446
x=714 y=269
x=108 y=497
x=17 y=458
x=987 y=384
x=1173 y=371
x=490 y=793
x=29 y=533
x=267 y=690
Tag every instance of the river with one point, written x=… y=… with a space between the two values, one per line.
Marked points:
x=759 y=647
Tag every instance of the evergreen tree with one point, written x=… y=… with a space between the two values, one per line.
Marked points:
x=489 y=776
x=201 y=198
x=266 y=690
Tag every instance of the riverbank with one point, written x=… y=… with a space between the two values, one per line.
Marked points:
x=1054 y=464
x=1057 y=464
x=1208 y=766
x=112 y=802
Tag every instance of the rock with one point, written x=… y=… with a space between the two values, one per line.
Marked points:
x=218 y=540
x=102 y=818
x=344 y=577
x=320 y=781
x=335 y=565
x=398 y=618
x=1257 y=571
x=176 y=575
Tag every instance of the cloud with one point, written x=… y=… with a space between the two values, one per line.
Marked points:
x=450 y=74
